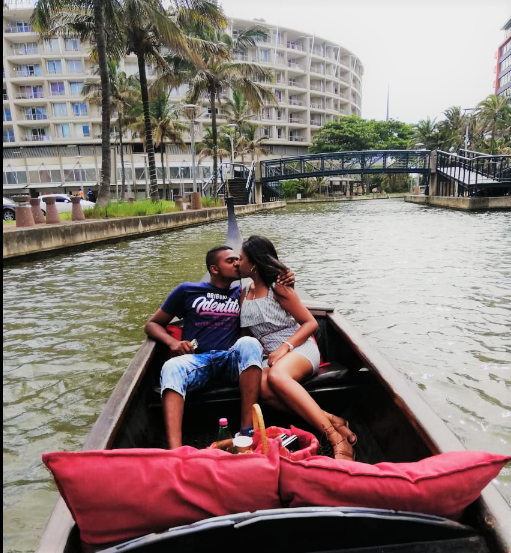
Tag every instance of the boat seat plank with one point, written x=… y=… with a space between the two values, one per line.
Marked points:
x=332 y=375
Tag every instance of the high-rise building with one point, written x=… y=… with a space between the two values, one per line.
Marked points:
x=52 y=135
x=503 y=69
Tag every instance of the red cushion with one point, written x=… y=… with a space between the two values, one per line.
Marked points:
x=123 y=493
x=441 y=485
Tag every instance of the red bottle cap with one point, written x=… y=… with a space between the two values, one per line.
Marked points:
x=223 y=422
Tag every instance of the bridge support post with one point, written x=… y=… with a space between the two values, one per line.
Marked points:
x=258 y=188
x=433 y=185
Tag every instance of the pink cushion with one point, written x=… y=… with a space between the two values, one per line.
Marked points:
x=123 y=493
x=441 y=485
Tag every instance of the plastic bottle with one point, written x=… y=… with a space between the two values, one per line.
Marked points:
x=224 y=440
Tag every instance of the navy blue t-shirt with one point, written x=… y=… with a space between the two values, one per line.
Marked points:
x=211 y=315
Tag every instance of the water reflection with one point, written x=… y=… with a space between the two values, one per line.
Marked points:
x=429 y=288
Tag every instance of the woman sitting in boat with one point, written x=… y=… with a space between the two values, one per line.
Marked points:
x=274 y=315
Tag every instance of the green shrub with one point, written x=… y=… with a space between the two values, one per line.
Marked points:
x=135 y=209
x=207 y=201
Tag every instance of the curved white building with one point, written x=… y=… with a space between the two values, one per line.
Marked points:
x=51 y=135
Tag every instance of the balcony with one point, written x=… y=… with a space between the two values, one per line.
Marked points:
x=6 y=97
x=316 y=105
x=25 y=51
x=26 y=73
x=315 y=123
x=317 y=88
x=295 y=120
x=296 y=138
x=36 y=138
x=29 y=95
x=293 y=65
x=295 y=46
x=295 y=103
x=18 y=29
x=35 y=116
x=294 y=83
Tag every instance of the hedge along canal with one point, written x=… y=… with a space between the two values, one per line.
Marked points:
x=44 y=239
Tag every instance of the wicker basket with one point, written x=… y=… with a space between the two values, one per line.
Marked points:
x=258 y=423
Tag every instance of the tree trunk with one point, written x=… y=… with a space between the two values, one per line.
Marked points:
x=104 y=184
x=212 y=97
x=163 y=166
x=153 y=183
x=123 y=177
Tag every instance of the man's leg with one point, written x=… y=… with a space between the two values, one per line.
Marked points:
x=173 y=406
x=249 y=356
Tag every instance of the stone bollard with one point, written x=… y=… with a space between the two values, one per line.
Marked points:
x=76 y=209
x=416 y=190
x=221 y=197
x=52 y=215
x=178 y=200
x=130 y=200
x=35 y=204
x=196 y=200
x=24 y=216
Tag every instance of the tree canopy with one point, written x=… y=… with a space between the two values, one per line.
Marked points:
x=354 y=134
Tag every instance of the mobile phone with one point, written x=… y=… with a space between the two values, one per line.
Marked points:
x=195 y=344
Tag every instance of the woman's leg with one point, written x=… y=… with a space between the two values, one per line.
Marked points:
x=284 y=380
x=268 y=397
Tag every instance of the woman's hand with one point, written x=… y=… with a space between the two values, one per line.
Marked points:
x=277 y=354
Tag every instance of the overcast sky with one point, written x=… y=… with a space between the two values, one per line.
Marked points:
x=431 y=54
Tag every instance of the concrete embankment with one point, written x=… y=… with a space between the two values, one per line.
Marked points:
x=465 y=204
x=43 y=239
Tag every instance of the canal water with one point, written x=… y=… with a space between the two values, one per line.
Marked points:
x=430 y=288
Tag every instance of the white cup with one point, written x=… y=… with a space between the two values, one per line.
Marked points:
x=242 y=444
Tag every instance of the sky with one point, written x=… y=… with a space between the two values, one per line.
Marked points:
x=429 y=54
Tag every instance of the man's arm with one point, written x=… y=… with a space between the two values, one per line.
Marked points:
x=155 y=327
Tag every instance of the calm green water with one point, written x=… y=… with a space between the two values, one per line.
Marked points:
x=430 y=288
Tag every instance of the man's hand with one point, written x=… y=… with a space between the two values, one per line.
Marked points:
x=286 y=278
x=182 y=348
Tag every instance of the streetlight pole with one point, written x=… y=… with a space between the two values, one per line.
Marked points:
x=231 y=139
x=192 y=107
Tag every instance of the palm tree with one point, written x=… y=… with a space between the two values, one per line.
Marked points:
x=206 y=148
x=426 y=132
x=124 y=93
x=75 y=17
x=452 y=129
x=250 y=144
x=494 y=113
x=221 y=71
x=165 y=126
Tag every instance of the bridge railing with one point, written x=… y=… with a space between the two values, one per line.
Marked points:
x=344 y=163
x=470 y=170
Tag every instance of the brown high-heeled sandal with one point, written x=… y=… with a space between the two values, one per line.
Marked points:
x=342 y=448
x=342 y=426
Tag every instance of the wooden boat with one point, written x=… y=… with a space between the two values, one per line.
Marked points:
x=392 y=422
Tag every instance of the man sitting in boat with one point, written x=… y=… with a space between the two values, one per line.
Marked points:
x=211 y=350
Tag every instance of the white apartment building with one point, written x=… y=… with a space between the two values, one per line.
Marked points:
x=51 y=134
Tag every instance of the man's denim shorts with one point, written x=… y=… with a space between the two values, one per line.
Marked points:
x=193 y=372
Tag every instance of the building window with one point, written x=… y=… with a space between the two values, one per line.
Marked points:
x=63 y=131
x=45 y=175
x=35 y=113
x=15 y=177
x=60 y=110
x=79 y=109
x=54 y=67
x=264 y=55
x=72 y=44
x=51 y=45
x=28 y=70
x=76 y=88
x=9 y=135
x=83 y=130
x=7 y=114
x=74 y=66
x=278 y=95
x=57 y=89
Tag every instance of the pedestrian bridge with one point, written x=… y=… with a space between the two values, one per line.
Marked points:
x=346 y=163
x=470 y=173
